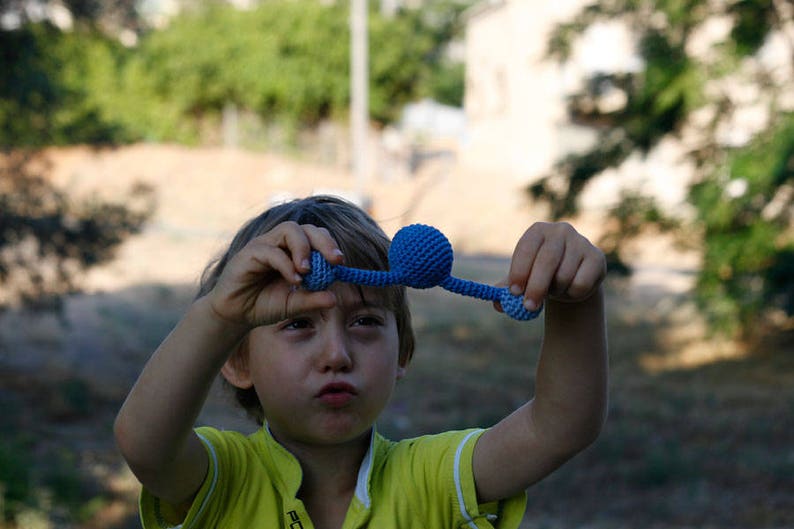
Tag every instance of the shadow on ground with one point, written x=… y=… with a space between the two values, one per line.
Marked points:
x=685 y=446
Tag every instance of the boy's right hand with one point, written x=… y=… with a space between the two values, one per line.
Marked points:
x=260 y=285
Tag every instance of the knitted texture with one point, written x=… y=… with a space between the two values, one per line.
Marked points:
x=321 y=275
x=420 y=256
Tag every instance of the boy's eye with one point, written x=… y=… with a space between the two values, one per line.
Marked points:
x=367 y=321
x=298 y=324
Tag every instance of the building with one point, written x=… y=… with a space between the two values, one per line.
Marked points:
x=515 y=104
x=514 y=100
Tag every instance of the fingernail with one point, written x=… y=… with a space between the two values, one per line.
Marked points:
x=298 y=278
x=530 y=304
x=305 y=264
x=515 y=290
x=337 y=251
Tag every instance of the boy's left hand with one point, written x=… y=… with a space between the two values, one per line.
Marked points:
x=554 y=261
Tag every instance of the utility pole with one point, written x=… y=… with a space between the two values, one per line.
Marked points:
x=359 y=90
x=388 y=8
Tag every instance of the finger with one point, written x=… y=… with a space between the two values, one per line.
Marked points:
x=265 y=257
x=502 y=283
x=566 y=272
x=589 y=275
x=544 y=268
x=523 y=259
x=284 y=300
x=290 y=238
x=322 y=241
x=294 y=239
x=300 y=301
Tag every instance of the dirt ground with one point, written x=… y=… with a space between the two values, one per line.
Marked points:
x=203 y=195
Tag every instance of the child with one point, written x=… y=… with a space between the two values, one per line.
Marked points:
x=317 y=368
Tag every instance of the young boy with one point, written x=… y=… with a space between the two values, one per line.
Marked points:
x=317 y=368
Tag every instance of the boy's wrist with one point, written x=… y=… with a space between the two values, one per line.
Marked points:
x=217 y=324
x=593 y=301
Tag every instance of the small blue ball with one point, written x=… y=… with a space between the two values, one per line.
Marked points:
x=421 y=256
x=514 y=307
x=321 y=274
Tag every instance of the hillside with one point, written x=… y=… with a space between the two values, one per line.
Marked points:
x=677 y=396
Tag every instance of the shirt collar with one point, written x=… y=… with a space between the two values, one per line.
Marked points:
x=290 y=474
x=365 y=473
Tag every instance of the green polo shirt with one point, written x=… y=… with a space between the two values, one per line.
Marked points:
x=426 y=482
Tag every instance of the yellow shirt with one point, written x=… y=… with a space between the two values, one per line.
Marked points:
x=421 y=483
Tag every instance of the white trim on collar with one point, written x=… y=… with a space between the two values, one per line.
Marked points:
x=362 y=481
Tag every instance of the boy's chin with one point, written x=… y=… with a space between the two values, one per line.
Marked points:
x=329 y=433
x=339 y=434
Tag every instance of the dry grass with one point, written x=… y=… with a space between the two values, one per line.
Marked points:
x=703 y=446
x=699 y=432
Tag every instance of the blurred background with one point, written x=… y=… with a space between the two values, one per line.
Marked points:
x=137 y=135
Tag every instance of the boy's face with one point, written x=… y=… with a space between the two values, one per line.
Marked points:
x=324 y=376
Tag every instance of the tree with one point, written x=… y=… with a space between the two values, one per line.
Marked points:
x=288 y=61
x=115 y=14
x=48 y=239
x=743 y=184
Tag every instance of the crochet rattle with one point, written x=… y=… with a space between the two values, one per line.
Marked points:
x=420 y=256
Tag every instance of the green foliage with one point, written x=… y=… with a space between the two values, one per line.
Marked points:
x=15 y=483
x=51 y=480
x=55 y=87
x=753 y=20
x=747 y=235
x=286 y=61
x=447 y=84
x=630 y=217
x=749 y=248
x=281 y=60
x=658 y=102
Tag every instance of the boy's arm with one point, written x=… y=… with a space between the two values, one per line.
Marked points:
x=154 y=428
x=554 y=263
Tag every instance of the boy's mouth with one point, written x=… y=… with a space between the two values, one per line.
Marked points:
x=337 y=394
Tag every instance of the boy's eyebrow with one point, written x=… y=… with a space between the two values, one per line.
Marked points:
x=364 y=303
x=362 y=300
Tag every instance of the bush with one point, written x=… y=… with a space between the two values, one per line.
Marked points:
x=746 y=217
x=287 y=61
x=48 y=239
x=56 y=85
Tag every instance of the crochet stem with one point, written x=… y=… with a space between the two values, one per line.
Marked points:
x=372 y=278
x=470 y=288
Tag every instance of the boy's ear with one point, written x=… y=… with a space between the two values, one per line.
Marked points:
x=235 y=370
x=401 y=369
x=402 y=365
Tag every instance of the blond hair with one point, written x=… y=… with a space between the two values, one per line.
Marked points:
x=361 y=240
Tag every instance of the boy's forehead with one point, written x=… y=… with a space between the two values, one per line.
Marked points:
x=353 y=295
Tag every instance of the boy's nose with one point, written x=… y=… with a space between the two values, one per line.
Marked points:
x=335 y=355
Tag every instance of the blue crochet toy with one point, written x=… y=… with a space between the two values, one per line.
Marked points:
x=420 y=256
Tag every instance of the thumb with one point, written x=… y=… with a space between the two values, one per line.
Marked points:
x=502 y=283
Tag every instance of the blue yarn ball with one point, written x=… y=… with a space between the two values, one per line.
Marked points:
x=321 y=275
x=514 y=307
x=421 y=256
